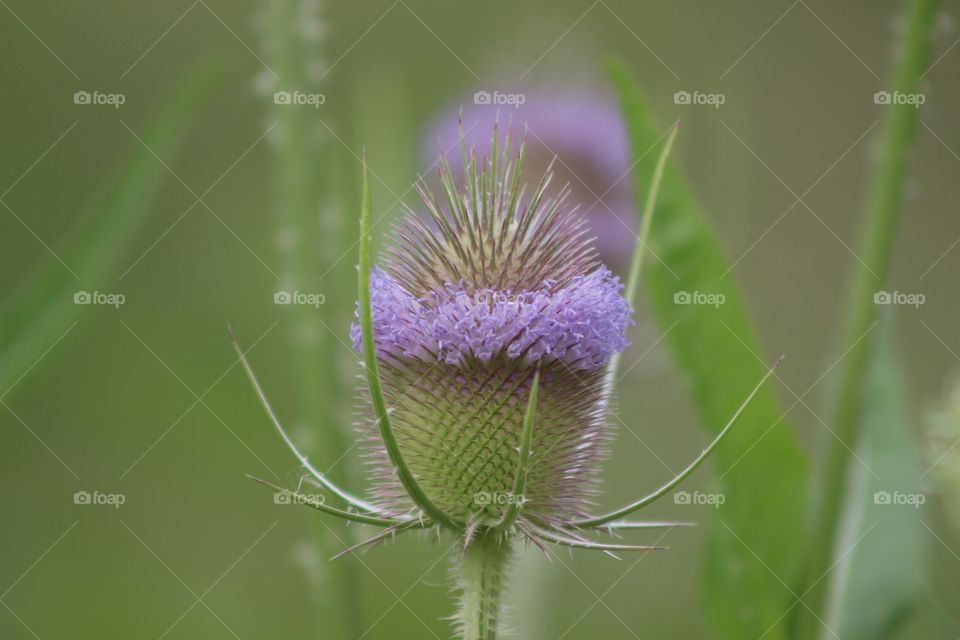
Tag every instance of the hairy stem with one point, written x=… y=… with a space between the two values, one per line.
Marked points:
x=291 y=47
x=882 y=217
x=482 y=570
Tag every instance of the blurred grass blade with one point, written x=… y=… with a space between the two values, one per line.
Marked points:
x=875 y=251
x=880 y=577
x=41 y=308
x=762 y=469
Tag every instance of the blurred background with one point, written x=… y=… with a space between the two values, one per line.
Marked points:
x=141 y=406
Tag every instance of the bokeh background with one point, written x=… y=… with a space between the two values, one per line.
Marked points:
x=145 y=400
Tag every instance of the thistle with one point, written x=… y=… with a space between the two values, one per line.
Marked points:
x=490 y=342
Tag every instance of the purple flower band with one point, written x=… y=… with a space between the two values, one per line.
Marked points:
x=581 y=324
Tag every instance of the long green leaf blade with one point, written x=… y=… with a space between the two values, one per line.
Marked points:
x=755 y=537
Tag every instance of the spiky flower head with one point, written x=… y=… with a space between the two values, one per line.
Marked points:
x=474 y=299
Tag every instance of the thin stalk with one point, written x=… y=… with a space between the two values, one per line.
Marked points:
x=879 y=232
x=482 y=572
x=291 y=47
x=639 y=251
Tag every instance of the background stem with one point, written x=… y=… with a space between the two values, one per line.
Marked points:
x=879 y=232
x=308 y=224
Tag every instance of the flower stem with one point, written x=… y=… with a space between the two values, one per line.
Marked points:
x=883 y=214
x=483 y=569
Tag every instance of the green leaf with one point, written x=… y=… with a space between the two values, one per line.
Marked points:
x=755 y=538
x=881 y=576
x=40 y=309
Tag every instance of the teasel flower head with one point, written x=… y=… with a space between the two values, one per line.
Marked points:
x=471 y=304
x=490 y=339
